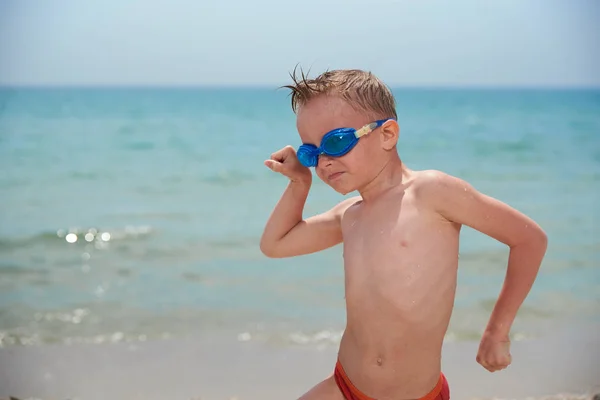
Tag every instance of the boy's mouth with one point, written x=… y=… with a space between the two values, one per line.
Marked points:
x=334 y=176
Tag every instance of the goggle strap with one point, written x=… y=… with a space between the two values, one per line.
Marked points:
x=366 y=129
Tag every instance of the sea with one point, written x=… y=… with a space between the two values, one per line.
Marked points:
x=134 y=214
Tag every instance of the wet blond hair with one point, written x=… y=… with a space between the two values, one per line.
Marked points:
x=361 y=89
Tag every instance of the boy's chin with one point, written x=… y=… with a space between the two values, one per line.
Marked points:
x=342 y=189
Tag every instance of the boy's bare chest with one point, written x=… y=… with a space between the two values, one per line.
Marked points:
x=392 y=238
x=383 y=228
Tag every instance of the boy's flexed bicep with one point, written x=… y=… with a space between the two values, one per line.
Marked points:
x=310 y=235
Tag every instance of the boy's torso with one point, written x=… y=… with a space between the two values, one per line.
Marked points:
x=400 y=261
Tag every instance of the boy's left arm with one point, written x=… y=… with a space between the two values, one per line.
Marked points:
x=457 y=201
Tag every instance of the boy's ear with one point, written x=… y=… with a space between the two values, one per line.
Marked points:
x=390 y=131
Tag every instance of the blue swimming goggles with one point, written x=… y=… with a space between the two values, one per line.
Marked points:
x=335 y=143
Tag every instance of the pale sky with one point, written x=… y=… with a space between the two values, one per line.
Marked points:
x=258 y=42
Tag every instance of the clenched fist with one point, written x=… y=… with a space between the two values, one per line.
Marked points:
x=286 y=163
x=494 y=353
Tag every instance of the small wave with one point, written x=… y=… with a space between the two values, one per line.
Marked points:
x=234 y=242
x=516 y=146
x=489 y=148
x=8 y=339
x=526 y=310
x=139 y=146
x=85 y=175
x=325 y=336
x=330 y=337
x=76 y=235
x=167 y=216
x=228 y=178
x=14 y=271
x=320 y=339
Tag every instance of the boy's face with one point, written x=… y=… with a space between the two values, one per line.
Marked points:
x=355 y=169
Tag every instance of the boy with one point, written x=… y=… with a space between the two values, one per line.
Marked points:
x=400 y=237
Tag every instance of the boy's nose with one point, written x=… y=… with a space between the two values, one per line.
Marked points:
x=324 y=160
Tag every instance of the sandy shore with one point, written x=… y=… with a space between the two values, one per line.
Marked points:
x=565 y=365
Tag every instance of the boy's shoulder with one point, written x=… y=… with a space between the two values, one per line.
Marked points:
x=438 y=189
x=432 y=182
x=340 y=209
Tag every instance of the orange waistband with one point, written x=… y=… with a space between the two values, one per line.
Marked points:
x=351 y=392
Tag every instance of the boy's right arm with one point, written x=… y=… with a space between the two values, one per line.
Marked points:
x=286 y=233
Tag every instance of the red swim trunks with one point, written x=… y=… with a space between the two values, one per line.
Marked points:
x=441 y=391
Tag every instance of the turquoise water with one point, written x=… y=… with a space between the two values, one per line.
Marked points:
x=167 y=195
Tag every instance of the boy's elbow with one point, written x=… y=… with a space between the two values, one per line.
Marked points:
x=269 y=249
x=542 y=239
x=538 y=240
x=264 y=247
x=539 y=237
x=535 y=240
